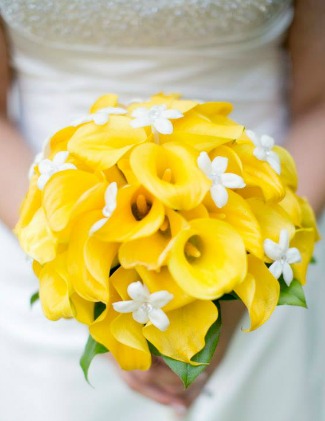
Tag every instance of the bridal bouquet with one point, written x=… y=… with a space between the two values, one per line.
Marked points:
x=139 y=219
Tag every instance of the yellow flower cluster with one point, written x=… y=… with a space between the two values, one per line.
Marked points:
x=156 y=209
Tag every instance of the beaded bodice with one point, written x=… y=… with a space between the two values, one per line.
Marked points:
x=140 y=23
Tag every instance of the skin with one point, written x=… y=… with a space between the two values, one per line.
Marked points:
x=306 y=142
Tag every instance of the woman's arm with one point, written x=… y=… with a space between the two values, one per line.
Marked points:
x=15 y=157
x=306 y=138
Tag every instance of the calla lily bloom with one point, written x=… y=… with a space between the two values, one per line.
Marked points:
x=170 y=173
x=208 y=259
x=259 y=292
x=304 y=241
x=138 y=214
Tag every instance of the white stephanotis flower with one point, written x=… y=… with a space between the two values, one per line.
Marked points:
x=100 y=117
x=283 y=256
x=221 y=180
x=38 y=158
x=109 y=208
x=263 y=151
x=157 y=117
x=145 y=306
x=48 y=167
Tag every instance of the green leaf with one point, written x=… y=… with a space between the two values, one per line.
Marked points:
x=292 y=295
x=313 y=260
x=187 y=372
x=98 y=309
x=34 y=298
x=92 y=349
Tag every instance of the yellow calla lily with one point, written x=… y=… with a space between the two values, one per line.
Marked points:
x=259 y=292
x=288 y=168
x=152 y=251
x=82 y=310
x=308 y=218
x=185 y=336
x=290 y=204
x=30 y=205
x=239 y=215
x=55 y=289
x=61 y=193
x=208 y=259
x=258 y=173
x=90 y=285
x=37 y=238
x=272 y=218
x=304 y=240
x=100 y=147
x=171 y=174
x=59 y=140
x=133 y=357
x=137 y=214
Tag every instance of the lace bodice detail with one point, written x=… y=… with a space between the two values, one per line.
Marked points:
x=140 y=23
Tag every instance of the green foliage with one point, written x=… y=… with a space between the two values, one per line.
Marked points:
x=34 y=298
x=292 y=295
x=92 y=349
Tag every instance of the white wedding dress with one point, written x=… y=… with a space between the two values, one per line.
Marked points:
x=65 y=53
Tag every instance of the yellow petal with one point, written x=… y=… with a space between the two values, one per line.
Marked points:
x=60 y=139
x=186 y=333
x=220 y=265
x=308 y=218
x=304 y=240
x=138 y=214
x=108 y=100
x=37 y=239
x=239 y=215
x=272 y=219
x=62 y=192
x=54 y=290
x=29 y=206
x=288 y=168
x=259 y=173
x=259 y=292
x=102 y=146
x=163 y=281
x=290 y=204
x=87 y=286
x=170 y=173
x=82 y=310
x=152 y=251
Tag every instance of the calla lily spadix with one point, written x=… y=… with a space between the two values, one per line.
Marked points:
x=141 y=217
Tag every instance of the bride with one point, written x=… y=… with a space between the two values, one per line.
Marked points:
x=56 y=57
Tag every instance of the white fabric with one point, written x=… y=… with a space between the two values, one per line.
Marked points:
x=273 y=374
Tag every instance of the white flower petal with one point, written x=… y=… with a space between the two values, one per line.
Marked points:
x=219 y=195
x=159 y=319
x=276 y=269
x=160 y=298
x=260 y=153
x=274 y=161
x=232 y=181
x=45 y=166
x=255 y=139
x=219 y=165
x=81 y=120
x=140 y=122
x=287 y=273
x=163 y=126
x=67 y=166
x=42 y=180
x=110 y=200
x=284 y=240
x=267 y=141
x=204 y=163
x=97 y=225
x=293 y=255
x=138 y=291
x=272 y=249
x=140 y=112
x=125 y=306
x=100 y=118
x=173 y=114
x=140 y=315
x=60 y=157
